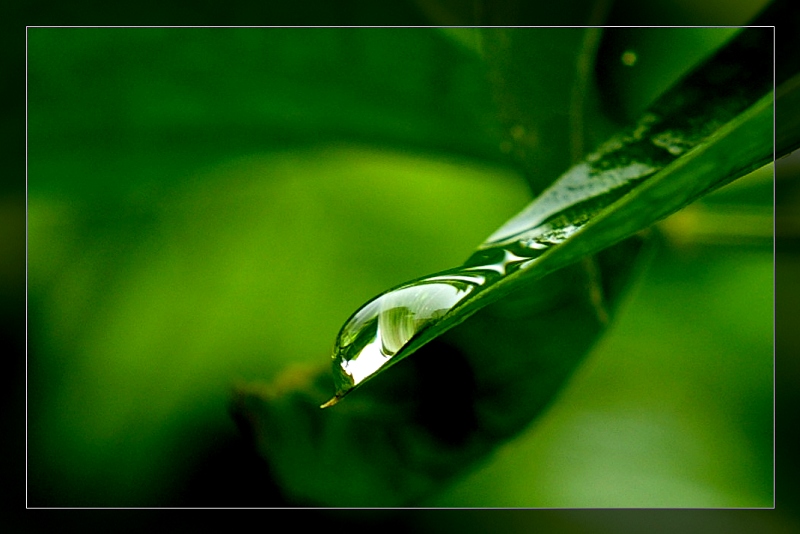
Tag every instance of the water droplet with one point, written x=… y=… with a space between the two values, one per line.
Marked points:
x=379 y=330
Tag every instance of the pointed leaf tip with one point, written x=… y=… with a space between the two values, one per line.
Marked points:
x=334 y=400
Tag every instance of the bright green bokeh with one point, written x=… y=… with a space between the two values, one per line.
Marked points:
x=254 y=271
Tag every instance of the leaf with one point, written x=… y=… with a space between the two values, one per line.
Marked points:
x=715 y=126
x=409 y=432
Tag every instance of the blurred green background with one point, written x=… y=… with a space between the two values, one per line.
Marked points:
x=207 y=206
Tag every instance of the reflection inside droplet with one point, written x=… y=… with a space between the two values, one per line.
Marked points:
x=384 y=326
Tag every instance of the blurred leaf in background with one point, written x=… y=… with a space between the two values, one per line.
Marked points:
x=208 y=206
x=193 y=219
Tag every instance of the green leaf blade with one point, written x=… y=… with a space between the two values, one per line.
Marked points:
x=700 y=135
